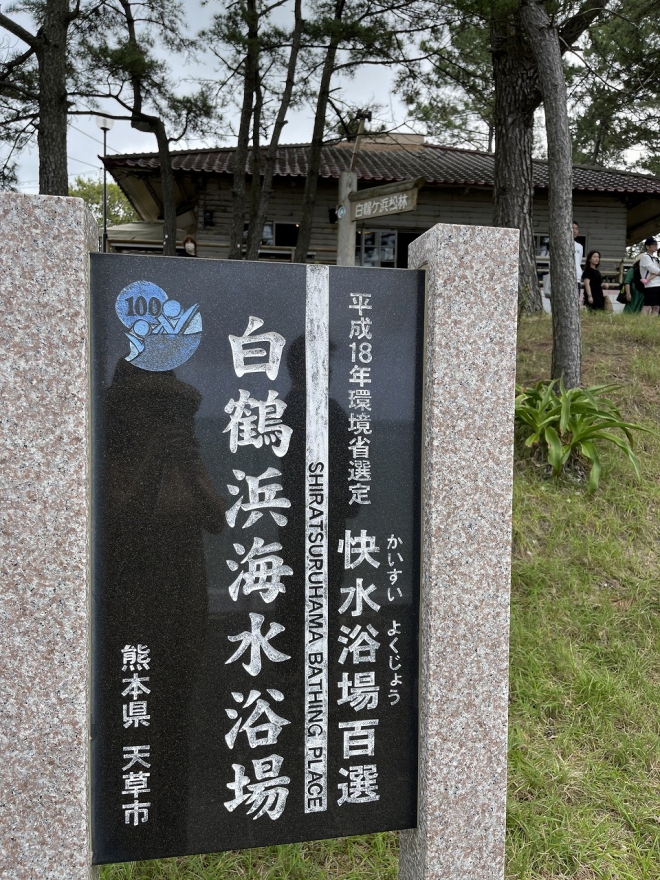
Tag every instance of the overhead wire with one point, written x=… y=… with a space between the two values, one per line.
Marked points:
x=92 y=138
x=82 y=162
x=24 y=183
x=98 y=168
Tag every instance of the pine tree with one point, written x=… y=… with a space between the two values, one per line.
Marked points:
x=118 y=52
x=34 y=86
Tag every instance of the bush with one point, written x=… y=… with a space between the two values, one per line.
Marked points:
x=566 y=426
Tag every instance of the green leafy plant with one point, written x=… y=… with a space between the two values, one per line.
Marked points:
x=566 y=425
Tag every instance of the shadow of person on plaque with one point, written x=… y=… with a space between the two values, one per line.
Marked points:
x=159 y=500
x=292 y=536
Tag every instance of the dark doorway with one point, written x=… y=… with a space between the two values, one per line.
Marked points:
x=403 y=240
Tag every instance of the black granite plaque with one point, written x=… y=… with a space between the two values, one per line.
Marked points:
x=256 y=440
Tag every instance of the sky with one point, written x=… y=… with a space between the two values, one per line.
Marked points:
x=374 y=85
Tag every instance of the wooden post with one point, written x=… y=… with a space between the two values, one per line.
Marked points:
x=346 y=226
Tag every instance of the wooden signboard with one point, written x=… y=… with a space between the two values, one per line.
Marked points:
x=379 y=201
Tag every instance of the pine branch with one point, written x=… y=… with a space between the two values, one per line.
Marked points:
x=10 y=66
x=574 y=27
x=9 y=25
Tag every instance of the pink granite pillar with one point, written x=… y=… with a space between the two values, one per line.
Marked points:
x=467 y=473
x=44 y=610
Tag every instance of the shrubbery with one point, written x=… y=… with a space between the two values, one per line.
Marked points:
x=567 y=425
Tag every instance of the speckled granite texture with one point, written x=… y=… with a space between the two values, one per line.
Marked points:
x=44 y=244
x=468 y=435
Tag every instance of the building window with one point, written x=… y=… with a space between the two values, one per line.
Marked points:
x=268 y=235
x=375 y=247
x=542 y=245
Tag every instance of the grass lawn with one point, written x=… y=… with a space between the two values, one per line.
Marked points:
x=584 y=744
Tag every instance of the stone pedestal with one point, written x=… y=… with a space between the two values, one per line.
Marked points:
x=44 y=611
x=469 y=395
x=44 y=608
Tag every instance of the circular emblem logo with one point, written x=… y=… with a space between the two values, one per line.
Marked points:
x=162 y=333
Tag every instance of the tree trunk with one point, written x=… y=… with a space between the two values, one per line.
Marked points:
x=259 y=217
x=255 y=232
x=566 y=343
x=146 y=122
x=243 y=145
x=52 y=128
x=167 y=187
x=314 y=155
x=516 y=97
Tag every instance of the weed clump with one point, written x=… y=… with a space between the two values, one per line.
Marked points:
x=565 y=428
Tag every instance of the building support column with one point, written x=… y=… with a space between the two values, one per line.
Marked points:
x=346 y=226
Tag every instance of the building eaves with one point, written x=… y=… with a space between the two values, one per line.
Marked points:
x=444 y=166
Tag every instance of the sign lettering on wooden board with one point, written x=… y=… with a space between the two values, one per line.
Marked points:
x=379 y=201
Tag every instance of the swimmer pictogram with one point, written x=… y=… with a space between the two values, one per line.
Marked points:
x=162 y=333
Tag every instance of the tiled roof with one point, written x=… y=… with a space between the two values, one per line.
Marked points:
x=389 y=162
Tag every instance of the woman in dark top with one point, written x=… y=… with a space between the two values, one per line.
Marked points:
x=593 y=282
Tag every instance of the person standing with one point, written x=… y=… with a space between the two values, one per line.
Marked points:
x=649 y=269
x=634 y=295
x=593 y=283
x=579 y=253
